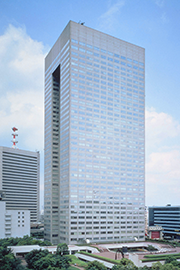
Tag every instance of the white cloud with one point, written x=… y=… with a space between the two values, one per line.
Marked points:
x=109 y=19
x=162 y=178
x=166 y=163
x=21 y=87
x=163 y=159
x=164 y=18
x=159 y=127
x=159 y=3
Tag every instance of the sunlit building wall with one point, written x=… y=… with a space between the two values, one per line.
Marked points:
x=94 y=138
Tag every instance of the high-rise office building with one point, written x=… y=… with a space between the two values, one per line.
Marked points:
x=94 y=138
x=19 y=179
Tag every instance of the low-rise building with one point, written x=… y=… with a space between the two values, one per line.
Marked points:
x=155 y=232
x=168 y=217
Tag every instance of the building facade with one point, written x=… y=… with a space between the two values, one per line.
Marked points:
x=168 y=217
x=14 y=223
x=94 y=138
x=19 y=179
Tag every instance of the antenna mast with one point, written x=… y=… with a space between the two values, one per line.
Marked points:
x=14 y=134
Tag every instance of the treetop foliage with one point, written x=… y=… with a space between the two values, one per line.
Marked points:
x=8 y=261
x=62 y=249
x=22 y=241
x=95 y=265
x=42 y=259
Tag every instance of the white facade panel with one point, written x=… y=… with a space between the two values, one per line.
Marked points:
x=2 y=219
x=14 y=223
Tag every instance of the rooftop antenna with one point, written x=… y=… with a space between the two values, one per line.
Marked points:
x=82 y=23
x=14 y=134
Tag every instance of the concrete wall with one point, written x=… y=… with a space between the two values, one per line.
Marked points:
x=14 y=223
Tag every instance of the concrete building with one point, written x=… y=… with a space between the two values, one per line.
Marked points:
x=94 y=138
x=19 y=179
x=14 y=223
x=168 y=217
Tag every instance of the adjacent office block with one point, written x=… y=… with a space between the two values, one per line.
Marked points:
x=94 y=138
x=19 y=179
x=14 y=223
x=168 y=217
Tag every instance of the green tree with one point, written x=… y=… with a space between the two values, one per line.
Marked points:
x=62 y=249
x=44 y=262
x=53 y=268
x=151 y=248
x=168 y=266
x=124 y=264
x=42 y=259
x=119 y=267
x=45 y=243
x=169 y=259
x=63 y=262
x=176 y=263
x=95 y=265
x=35 y=255
x=124 y=267
x=26 y=240
x=8 y=261
x=156 y=266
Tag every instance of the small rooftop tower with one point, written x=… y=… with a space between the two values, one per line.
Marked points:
x=14 y=134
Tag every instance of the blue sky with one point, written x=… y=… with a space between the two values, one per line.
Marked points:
x=29 y=28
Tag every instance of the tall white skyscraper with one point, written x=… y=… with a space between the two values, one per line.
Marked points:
x=19 y=179
x=94 y=138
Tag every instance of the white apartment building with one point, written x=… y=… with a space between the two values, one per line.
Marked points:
x=94 y=138
x=14 y=223
x=19 y=179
